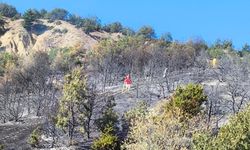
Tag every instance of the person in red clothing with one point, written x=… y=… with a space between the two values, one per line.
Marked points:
x=127 y=83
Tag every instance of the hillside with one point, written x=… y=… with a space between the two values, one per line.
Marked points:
x=69 y=82
x=45 y=36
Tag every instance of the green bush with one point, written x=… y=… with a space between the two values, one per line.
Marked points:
x=128 y=31
x=215 y=53
x=64 y=31
x=90 y=24
x=75 y=20
x=202 y=141
x=35 y=137
x=29 y=17
x=58 y=22
x=6 y=60
x=58 y=14
x=140 y=111
x=113 y=27
x=146 y=32
x=167 y=37
x=43 y=13
x=234 y=135
x=1 y=147
x=107 y=141
x=162 y=128
x=7 y=10
x=189 y=99
x=56 y=31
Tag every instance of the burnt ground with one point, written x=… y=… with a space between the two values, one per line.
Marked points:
x=14 y=136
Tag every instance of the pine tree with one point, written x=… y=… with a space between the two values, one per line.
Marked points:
x=29 y=17
x=76 y=104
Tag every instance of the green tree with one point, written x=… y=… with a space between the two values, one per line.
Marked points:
x=227 y=44
x=167 y=37
x=91 y=24
x=73 y=107
x=108 y=125
x=246 y=47
x=75 y=20
x=106 y=141
x=35 y=138
x=215 y=52
x=29 y=17
x=58 y=14
x=189 y=99
x=146 y=32
x=7 y=10
x=43 y=13
x=245 y=50
x=113 y=27
x=128 y=31
x=223 y=44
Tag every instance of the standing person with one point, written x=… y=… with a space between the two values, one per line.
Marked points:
x=127 y=83
x=214 y=63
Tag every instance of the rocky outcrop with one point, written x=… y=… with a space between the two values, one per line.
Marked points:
x=45 y=36
x=16 y=39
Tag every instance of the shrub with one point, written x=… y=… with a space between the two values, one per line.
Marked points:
x=43 y=13
x=107 y=141
x=58 y=22
x=189 y=99
x=234 y=135
x=146 y=32
x=64 y=30
x=215 y=53
x=1 y=147
x=108 y=125
x=7 y=60
x=113 y=27
x=7 y=10
x=90 y=24
x=109 y=117
x=65 y=58
x=56 y=31
x=35 y=137
x=128 y=31
x=202 y=141
x=29 y=17
x=162 y=128
x=167 y=37
x=17 y=16
x=58 y=14
x=139 y=111
x=75 y=20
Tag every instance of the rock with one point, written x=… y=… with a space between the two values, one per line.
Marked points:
x=16 y=39
x=45 y=36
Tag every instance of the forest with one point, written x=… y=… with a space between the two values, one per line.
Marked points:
x=184 y=95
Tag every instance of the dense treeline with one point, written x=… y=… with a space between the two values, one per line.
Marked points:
x=89 y=24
